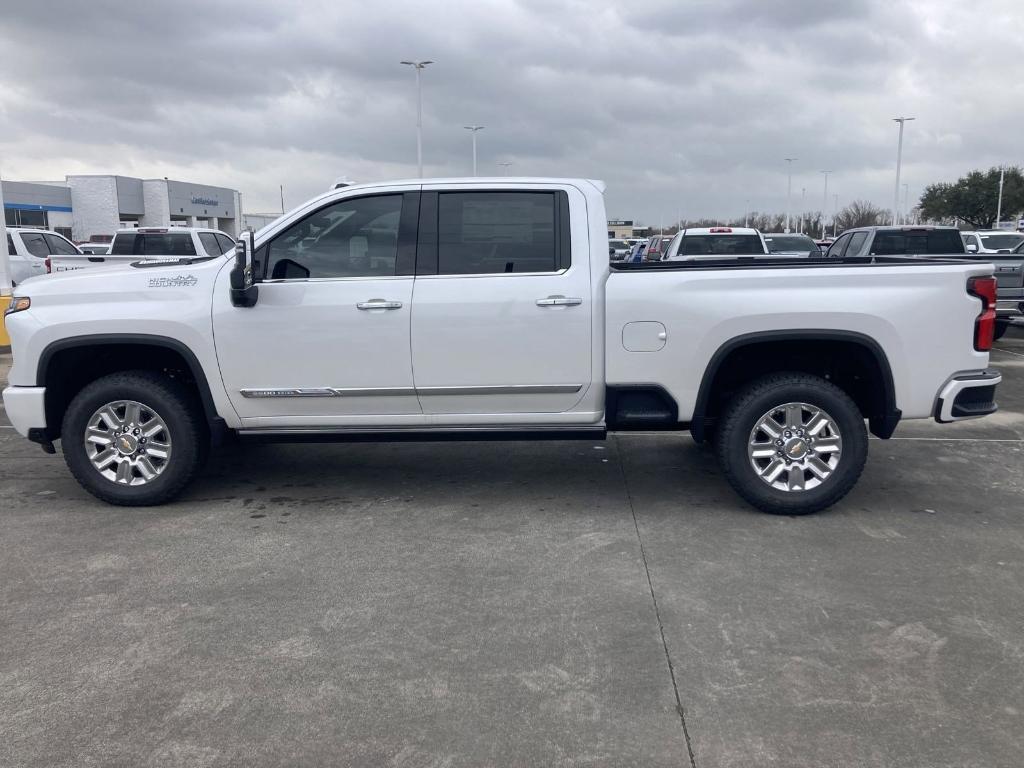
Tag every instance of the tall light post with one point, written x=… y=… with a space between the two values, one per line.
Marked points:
x=899 y=162
x=803 y=207
x=419 y=66
x=789 y=189
x=504 y=167
x=746 y=214
x=474 y=129
x=824 y=203
x=835 y=212
x=906 y=203
x=999 y=206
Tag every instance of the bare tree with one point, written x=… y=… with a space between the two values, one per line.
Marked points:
x=859 y=213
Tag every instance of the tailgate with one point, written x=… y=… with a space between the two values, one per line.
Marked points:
x=1009 y=274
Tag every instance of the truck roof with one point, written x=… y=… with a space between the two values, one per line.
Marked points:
x=719 y=231
x=164 y=230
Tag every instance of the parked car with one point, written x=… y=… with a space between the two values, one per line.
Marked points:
x=1010 y=276
x=656 y=247
x=824 y=244
x=31 y=251
x=151 y=244
x=991 y=241
x=636 y=255
x=618 y=249
x=790 y=244
x=349 y=319
x=897 y=241
x=715 y=243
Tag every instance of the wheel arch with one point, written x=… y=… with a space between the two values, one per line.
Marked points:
x=100 y=354
x=877 y=403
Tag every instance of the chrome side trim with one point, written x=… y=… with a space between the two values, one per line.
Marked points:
x=330 y=392
x=423 y=429
x=503 y=389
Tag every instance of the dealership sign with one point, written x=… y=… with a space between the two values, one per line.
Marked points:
x=200 y=200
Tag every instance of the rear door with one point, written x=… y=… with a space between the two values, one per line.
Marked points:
x=502 y=310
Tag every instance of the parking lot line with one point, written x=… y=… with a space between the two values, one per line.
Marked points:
x=997 y=349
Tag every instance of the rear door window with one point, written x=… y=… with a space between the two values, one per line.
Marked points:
x=210 y=244
x=838 y=249
x=483 y=233
x=35 y=244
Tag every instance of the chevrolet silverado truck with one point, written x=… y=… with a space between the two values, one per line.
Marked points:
x=146 y=244
x=488 y=309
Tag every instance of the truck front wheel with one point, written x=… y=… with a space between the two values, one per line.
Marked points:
x=133 y=438
x=792 y=443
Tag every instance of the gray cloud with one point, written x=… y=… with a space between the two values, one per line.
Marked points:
x=680 y=107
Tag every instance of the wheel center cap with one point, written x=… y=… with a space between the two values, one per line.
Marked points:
x=796 y=448
x=127 y=444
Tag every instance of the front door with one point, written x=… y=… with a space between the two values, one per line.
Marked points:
x=327 y=343
x=502 y=313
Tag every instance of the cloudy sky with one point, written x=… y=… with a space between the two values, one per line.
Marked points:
x=680 y=106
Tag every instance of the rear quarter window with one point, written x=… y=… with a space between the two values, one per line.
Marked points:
x=721 y=245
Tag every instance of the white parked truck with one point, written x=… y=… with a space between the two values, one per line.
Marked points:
x=149 y=244
x=487 y=308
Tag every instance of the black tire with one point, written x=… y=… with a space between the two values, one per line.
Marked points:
x=1000 y=330
x=741 y=416
x=171 y=401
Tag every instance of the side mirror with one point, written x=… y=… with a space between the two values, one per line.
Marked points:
x=244 y=291
x=972 y=248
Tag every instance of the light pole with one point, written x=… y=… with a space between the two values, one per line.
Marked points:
x=474 y=129
x=504 y=167
x=906 y=203
x=835 y=212
x=899 y=162
x=803 y=207
x=789 y=189
x=999 y=206
x=824 y=204
x=419 y=66
x=746 y=214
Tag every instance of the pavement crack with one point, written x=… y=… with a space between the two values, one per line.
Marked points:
x=657 y=612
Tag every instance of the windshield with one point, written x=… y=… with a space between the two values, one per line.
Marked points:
x=720 y=245
x=798 y=243
x=1001 y=242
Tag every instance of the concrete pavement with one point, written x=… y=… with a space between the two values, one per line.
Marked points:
x=475 y=604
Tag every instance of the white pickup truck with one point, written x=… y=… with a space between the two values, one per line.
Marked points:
x=487 y=308
x=148 y=244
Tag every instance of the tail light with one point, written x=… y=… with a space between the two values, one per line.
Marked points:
x=984 y=288
x=49 y=265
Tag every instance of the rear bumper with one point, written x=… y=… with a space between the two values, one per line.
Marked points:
x=1009 y=307
x=26 y=408
x=968 y=395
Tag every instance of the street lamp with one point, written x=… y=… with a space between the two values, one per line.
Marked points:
x=999 y=206
x=899 y=162
x=504 y=167
x=474 y=129
x=906 y=203
x=418 y=66
x=789 y=188
x=835 y=212
x=824 y=203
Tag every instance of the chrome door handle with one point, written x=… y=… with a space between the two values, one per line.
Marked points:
x=559 y=301
x=379 y=304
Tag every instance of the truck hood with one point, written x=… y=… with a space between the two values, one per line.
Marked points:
x=150 y=276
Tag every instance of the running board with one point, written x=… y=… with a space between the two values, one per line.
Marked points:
x=419 y=434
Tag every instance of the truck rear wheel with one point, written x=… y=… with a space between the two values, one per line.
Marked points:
x=792 y=444
x=134 y=438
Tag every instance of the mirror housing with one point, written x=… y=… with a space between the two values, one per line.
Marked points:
x=244 y=291
x=972 y=248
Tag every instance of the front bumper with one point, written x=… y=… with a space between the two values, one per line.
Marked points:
x=968 y=395
x=26 y=409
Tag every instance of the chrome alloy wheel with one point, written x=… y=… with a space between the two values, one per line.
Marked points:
x=127 y=442
x=795 y=447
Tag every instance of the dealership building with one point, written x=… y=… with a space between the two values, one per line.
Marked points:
x=88 y=207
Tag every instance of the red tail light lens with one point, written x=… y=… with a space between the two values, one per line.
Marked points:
x=984 y=288
x=49 y=266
